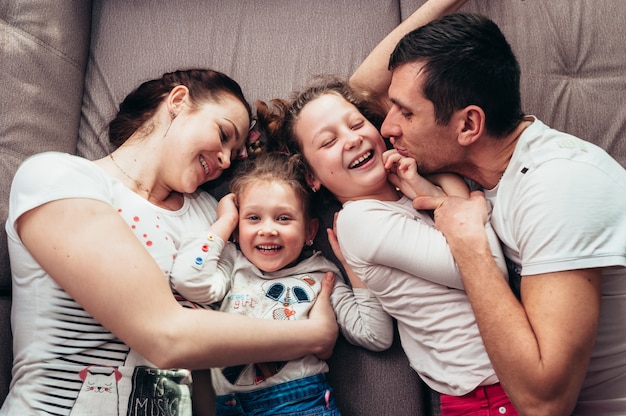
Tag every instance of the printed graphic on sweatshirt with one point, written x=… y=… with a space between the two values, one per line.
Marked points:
x=287 y=298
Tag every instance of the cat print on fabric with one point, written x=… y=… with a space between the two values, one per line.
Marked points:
x=98 y=394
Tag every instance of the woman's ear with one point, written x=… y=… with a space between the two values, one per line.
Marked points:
x=176 y=100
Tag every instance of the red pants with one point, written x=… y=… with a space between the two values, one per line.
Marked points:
x=483 y=401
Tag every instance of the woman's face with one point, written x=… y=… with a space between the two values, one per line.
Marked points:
x=342 y=147
x=272 y=227
x=205 y=141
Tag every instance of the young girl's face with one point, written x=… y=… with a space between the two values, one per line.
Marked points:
x=342 y=147
x=272 y=226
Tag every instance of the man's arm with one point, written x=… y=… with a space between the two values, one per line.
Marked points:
x=373 y=74
x=541 y=347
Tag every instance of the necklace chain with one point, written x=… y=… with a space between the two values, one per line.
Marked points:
x=135 y=181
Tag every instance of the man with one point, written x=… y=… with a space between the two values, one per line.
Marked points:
x=558 y=340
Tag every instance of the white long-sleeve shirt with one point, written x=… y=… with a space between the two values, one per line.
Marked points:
x=407 y=265
x=207 y=270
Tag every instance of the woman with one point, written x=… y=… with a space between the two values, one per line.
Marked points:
x=91 y=246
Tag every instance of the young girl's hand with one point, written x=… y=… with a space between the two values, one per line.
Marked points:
x=403 y=174
x=227 y=206
x=227 y=217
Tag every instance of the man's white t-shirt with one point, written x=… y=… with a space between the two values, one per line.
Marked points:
x=561 y=205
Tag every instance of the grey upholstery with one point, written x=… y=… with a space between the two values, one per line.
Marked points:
x=65 y=66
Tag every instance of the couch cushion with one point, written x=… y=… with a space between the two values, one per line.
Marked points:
x=44 y=52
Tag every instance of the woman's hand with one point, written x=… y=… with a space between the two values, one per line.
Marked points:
x=322 y=316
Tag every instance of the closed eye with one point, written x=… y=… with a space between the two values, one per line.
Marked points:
x=358 y=125
x=329 y=142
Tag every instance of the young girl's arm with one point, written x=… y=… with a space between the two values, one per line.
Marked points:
x=360 y=315
x=202 y=269
x=404 y=175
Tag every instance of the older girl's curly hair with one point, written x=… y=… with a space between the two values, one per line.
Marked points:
x=277 y=118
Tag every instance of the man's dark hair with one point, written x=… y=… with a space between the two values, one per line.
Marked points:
x=467 y=61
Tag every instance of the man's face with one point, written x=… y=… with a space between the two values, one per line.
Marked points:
x=411 y=125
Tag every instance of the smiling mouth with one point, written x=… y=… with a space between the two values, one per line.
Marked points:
x=363 y=159
x=269 y=248
x=205 y=166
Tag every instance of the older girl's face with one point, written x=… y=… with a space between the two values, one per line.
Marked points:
x=342 y=147
x=206 y=140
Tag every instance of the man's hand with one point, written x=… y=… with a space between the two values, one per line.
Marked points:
x=460 y=220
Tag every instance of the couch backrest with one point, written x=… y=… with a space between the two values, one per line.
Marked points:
x=269 y=47
x=43 y=54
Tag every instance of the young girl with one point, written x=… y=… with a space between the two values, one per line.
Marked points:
x=393 y=248
x=273 y=275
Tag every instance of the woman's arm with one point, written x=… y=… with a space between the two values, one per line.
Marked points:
x=88 y=249
x=373 y=74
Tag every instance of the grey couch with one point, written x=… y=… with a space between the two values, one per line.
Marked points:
x=66 y=64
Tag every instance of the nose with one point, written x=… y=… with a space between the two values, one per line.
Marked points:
x=352 y=139
x=267 y=228
x=223 y=159
x=390 y=128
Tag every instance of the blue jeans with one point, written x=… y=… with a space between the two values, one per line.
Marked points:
x=309 y=396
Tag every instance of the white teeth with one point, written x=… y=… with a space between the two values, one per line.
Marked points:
x=204 y=165
x=360 y=160
x=268 y=248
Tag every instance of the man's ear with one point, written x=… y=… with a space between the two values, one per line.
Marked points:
x=472 y=124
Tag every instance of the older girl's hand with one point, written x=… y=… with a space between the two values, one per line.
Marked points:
x=404 y=175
